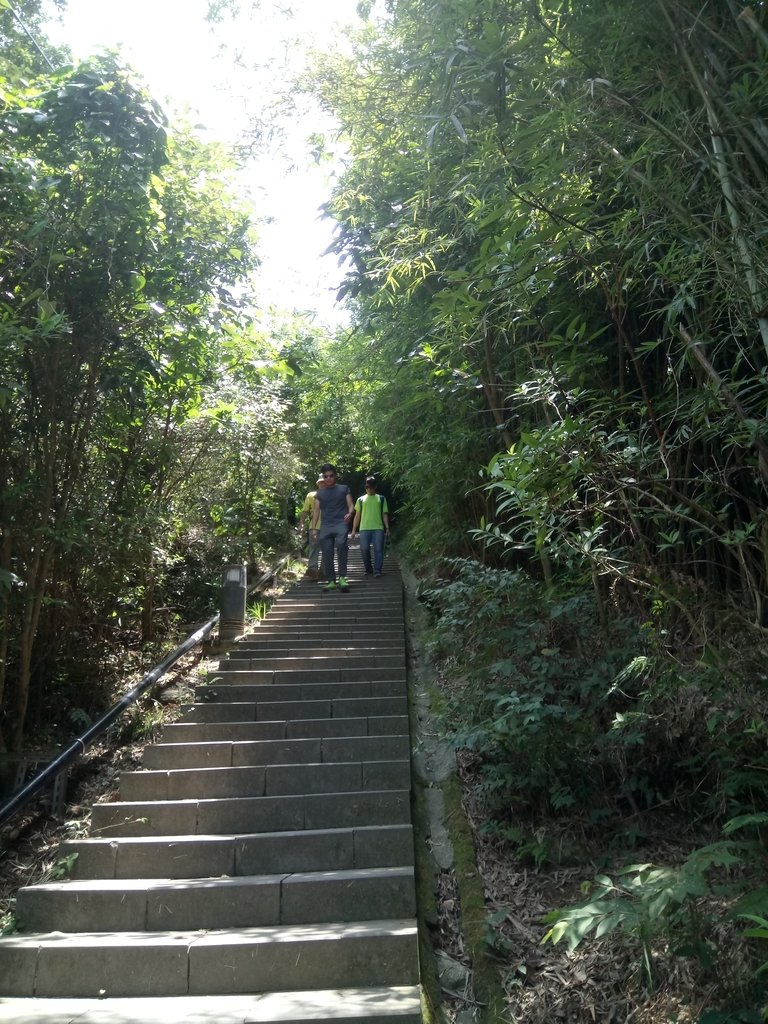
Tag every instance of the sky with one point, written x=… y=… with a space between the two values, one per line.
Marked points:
x=209 y=73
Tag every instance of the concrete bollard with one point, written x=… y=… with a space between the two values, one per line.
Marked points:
x=234 y=590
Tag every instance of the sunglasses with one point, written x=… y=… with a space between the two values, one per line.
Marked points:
x=328 y=476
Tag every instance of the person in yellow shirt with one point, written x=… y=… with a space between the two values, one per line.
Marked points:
x=313 y=555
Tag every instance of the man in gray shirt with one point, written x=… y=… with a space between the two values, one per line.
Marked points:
x=334 y=503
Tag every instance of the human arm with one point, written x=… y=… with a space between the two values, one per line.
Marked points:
x=356 y=522
x=306 y=509
x=350 y=507
x=315 y=515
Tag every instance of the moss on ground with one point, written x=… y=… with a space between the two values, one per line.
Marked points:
x=489 y=991
x=426 y=905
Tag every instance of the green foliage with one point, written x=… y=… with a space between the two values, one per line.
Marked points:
x=62 y=868
x=20 y=19
x=644 y=899
x=738 y=1016
x=536 y=703
x=556 y=255
x=143 y=415
x=257 y=610
x=147 y=719
x=679 y=906
x=80 y=719
x=565 y=718
x=8 y=923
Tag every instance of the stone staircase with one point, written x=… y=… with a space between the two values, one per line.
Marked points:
x=260 y=866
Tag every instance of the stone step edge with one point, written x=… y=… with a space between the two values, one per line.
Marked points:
x=187 y=745
x=106 y=885
x=229 y=770
x=341 y=1006
x=220 y=903
x=178 y=728
x=219 y=837
x=184 y=841
x=329 y=930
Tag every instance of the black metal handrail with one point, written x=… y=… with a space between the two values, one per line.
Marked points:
x=78 y=746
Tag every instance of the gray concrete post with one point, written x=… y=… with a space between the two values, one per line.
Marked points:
x=234 y=590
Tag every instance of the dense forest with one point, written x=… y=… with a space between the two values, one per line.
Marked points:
x=550 y=227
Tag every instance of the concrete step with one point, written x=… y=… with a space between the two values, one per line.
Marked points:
x=313 y=648
x=322 y=634
x=276 y=650
x=350 y=660
x=251 y=814
x=264 y=662
x=260 y=866
x=336 y=606
x=241 y=854
x=242 y=960
x=396 y=1005
x=390 y=584
x=240 y=687
x=100 y=905
x=343 y=603
x=264 y=780
x=243 y=673
x=270 y=711
x=317 y=603
x=272 y=752
x=316 y=611
x=388 y=587
x=373 y=725
x=320 y=601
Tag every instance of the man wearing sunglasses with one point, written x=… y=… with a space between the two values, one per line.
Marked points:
x=334 y=504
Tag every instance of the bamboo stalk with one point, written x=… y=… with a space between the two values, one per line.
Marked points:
x=723 y=172
x=730 y=399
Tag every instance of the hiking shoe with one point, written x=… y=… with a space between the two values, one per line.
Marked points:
x=343 y=584
x=329 y=586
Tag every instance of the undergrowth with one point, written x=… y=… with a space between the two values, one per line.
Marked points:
x=563 y=714
x=568 y=719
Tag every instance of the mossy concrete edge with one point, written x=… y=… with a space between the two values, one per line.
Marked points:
x=424 y=697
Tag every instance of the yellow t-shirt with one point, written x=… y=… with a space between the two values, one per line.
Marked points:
x=309 y=504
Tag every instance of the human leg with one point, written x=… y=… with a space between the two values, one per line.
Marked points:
x=366 y=536
x=378 y=550
x=313 y=555
x=326 y=547
x=342 y=547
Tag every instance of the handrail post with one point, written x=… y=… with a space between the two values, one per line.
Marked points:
x=58 y=796
x=234 y=590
